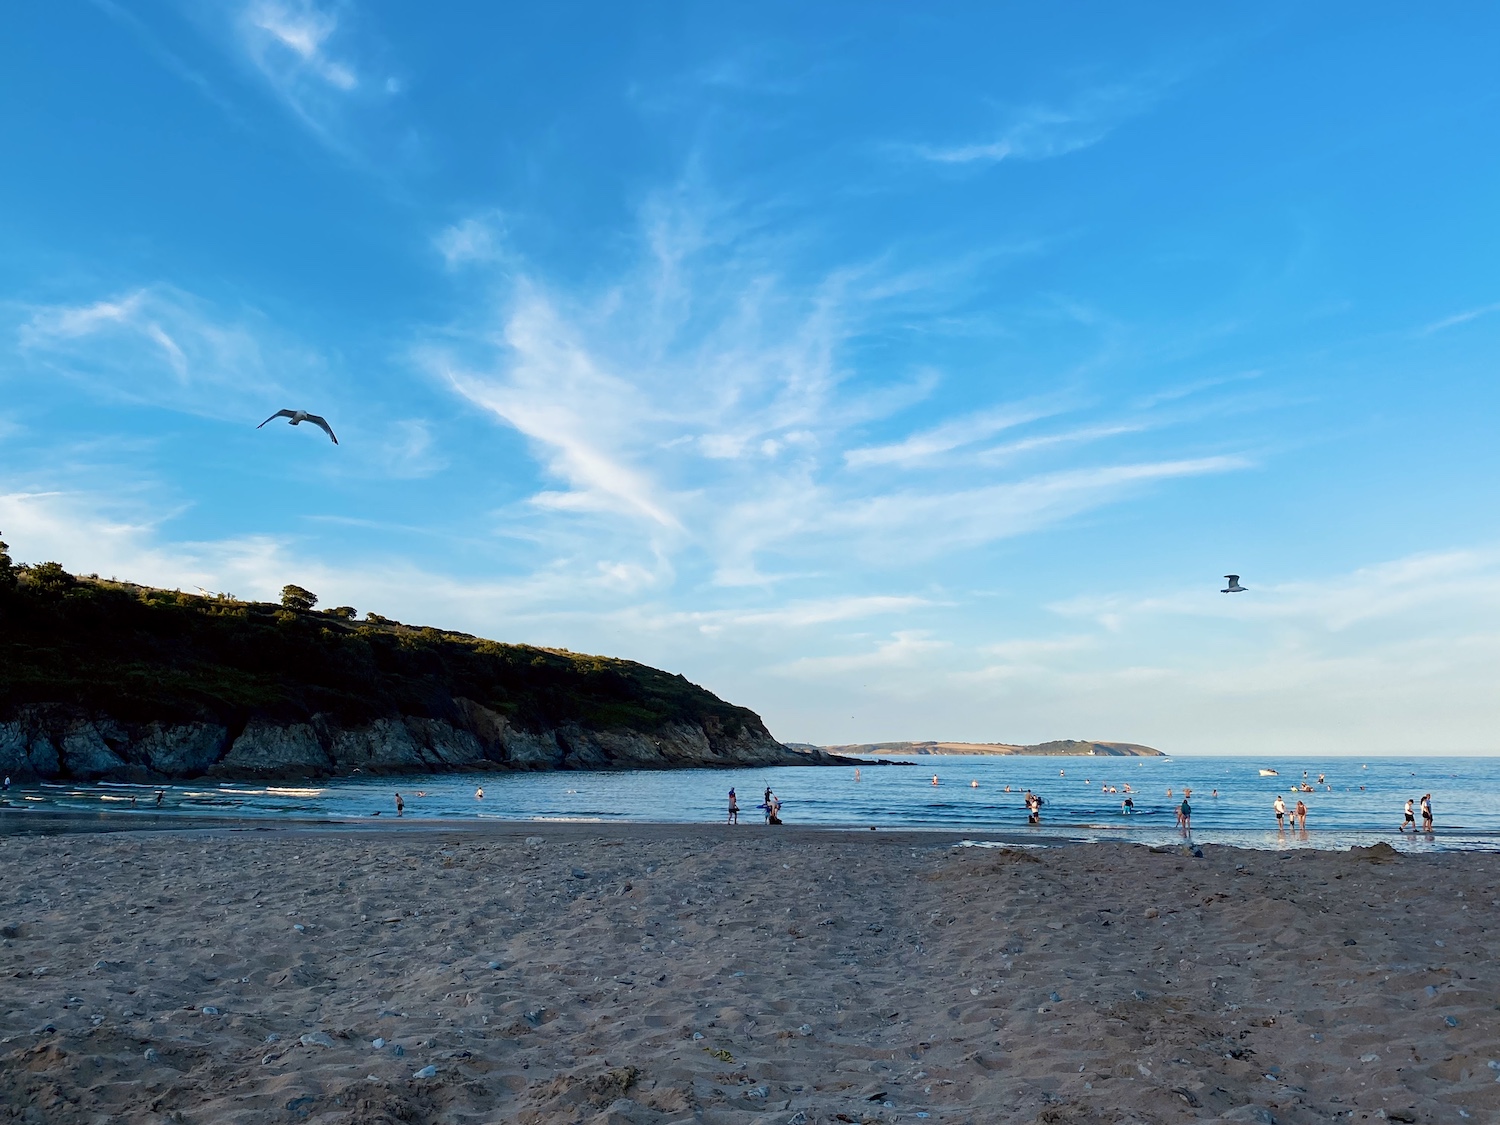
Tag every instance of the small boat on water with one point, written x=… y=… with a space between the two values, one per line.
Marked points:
x=1269 y=773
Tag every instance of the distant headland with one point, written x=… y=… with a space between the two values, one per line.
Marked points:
x=1064 y=747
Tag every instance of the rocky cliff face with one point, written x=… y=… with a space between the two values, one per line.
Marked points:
x=52 y=741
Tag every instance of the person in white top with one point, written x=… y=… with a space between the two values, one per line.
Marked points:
x=1280 y=806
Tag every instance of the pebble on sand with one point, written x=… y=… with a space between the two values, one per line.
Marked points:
x=426 y=1072
x=317 y=1039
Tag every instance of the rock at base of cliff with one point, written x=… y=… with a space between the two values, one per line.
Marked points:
x=270 y=750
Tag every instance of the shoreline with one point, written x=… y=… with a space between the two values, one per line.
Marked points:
x=29 y=822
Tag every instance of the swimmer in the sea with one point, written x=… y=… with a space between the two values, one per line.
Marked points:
x=479 y=794
x=974 y=784
x=934 y=779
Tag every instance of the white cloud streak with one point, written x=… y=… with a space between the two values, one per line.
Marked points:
x=1043 y=132
x=161 y=346
x=704 y=408
x=1458 y=318
x=476 y=239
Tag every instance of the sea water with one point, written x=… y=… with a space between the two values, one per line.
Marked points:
x=1359 y=801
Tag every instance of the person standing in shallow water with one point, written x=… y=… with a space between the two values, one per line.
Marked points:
x=734 y=809
x=1427 y=813
x=1279 y=806
x=1185 y=817
x=1407 y=817
x=400 y=805
x=1300 y=812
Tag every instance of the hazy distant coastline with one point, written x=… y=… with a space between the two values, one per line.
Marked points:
x=1062 y=747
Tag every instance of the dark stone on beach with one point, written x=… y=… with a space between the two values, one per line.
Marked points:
x=151 y=1056
x=580 y=873
x=1249 y=1115
x=44 y=1029
x=1350 y=941
x=1054 y=997
x=11 y=931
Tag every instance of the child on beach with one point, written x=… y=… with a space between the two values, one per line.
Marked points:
x=1408 y=817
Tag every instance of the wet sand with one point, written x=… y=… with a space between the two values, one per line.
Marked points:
x=672 y=973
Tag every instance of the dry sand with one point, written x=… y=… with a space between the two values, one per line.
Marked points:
x=683 y=974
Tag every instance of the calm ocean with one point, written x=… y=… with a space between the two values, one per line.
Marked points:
x=1358 y=802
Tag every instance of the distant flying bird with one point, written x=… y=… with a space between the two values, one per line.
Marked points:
x=300 y=416
x=1234 y=586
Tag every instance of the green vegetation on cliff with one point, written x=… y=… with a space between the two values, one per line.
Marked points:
x=141 y=654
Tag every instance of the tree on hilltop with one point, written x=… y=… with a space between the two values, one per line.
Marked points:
x=297 y=599
x=7 y=569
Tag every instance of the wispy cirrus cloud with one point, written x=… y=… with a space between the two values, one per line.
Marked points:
x=290 y=43
x=160 y=345
x=1043 y=132
x=321 y=60
x=705 y=407
x=1369 y=594
x=1458 y=318
x=475 y=239
x=906 y=648
x=945 y=438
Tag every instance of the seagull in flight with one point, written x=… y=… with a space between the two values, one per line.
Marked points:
x=1234 y=586
x=299 y=416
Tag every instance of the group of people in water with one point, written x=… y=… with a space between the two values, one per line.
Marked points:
x=1408 y=816
x=771 y=806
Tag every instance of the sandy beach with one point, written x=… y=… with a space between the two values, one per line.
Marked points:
x=656 y=974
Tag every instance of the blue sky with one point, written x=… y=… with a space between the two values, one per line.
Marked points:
x=897 y=371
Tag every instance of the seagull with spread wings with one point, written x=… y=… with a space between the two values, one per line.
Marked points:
x=299 y=416
x=1234 y=586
